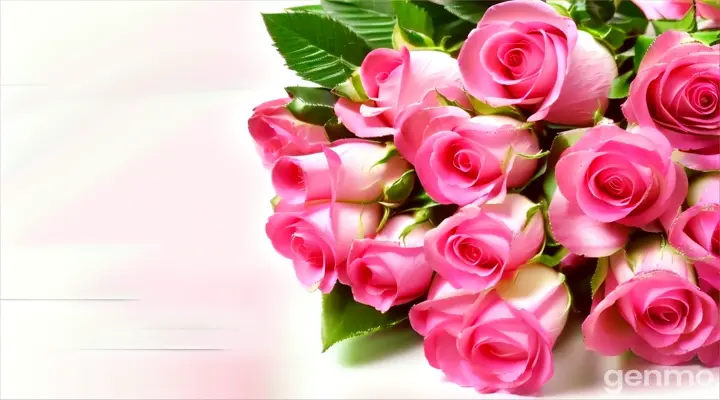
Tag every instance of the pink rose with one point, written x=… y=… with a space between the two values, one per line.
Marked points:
x=677 y=91
x=649 y=303
x=676 y=9
x=395 y=80
x=501 y=342
x=278 y=133
x=523 y=53
x=573 y=261
x=478 y=246
x=445 y=303
x=710 y=353
x=696 y=231
x=389 y=270
x=609 y=181
x=318 y=238
x=349 y=168
x=710 y=10
x=465 y=160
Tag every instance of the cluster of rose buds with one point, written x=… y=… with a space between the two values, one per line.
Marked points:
x=455 y=195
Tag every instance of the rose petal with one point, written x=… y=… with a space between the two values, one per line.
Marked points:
x=582 y=234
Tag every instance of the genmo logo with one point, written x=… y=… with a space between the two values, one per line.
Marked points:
x=616 y=379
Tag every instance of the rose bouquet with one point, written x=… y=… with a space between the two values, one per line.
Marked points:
x=485 y=168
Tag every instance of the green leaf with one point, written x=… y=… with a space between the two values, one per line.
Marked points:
x=611 y=37
x=688 y=23
x=531 y=213
x=598 y=116
x=483 y=108
x=630 y=25
x=562 y=142
x=311 y=8
x=387 y=210
x=421 y=201
x=471 y=11
x=352 y=89
x=311 y=105
x=621 y=58
x=536 y=156
x=343 y=318
x=445 y=102
x=710 y=38
x=592 y=13
x=372 y=20
x=560 y=8
x=336 y=130
x=544 y=207
x=398 y=191
x=449 y=29
x=413 y=18
x=318 y=48
x=641 y=47
x=599 y=276
x=391 y=151
x=629 y=9
x=412 y=40
x=539 y=173
x=275 y=201
x=620 y=87
x=551 y=260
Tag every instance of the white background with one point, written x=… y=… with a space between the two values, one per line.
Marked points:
x=134 y=261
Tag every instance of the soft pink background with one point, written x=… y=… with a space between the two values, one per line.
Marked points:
x=134 y=261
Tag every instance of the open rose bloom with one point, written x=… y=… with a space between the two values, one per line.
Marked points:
x=486 y=169
x=677 y=91
x=496 y=340
x=650 y=303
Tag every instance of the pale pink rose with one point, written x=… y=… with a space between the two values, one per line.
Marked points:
x=389 y=269
x=677 y=91
x=523 y=53
x=676 y=9
x=348 y=169
x=395 y=80
x=480 y=245
x=504 y=340
x=696 y=231
x=610 y=181
x=649 y=303
x=278 y=133
x=465 y=160
x=318 y=238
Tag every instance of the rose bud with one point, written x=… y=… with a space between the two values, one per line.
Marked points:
x=356 y=170
x=523 y=53
x=278 y=133
x=676 y=9
x=391 y=268
x=696 y=231
x=649 y=303
x=610 y=181
x=572 y=262
x=445 y=303
x=478 y=246
x=318 y=238
x=710 y=354
x=394 y=80
x=465 y=160
x=505 y=340
x=677 y=91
